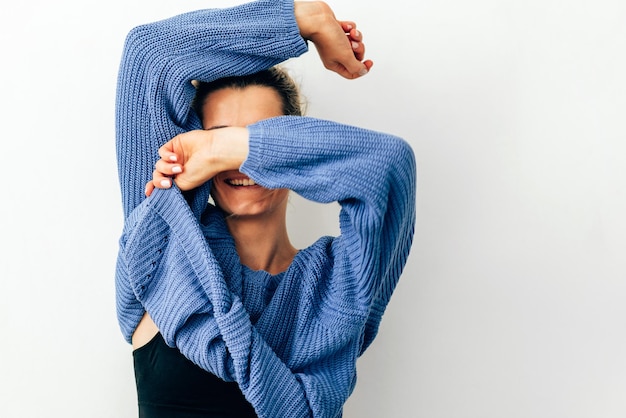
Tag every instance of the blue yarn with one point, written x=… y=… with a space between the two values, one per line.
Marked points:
x=290 y=341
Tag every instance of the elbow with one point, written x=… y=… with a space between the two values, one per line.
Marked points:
x=138 y=32
x=134 y=36
x=137 y=39
x=402 y=161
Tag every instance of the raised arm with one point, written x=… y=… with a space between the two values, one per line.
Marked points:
x=159 y=61
x=372 y=175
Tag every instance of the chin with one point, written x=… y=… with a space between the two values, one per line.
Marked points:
x=267 y=205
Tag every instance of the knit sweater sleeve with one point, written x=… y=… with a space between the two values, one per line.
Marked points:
x=373 y=176
x=159 y=60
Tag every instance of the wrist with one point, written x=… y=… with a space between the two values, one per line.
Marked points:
x=311 y=16
x=229 y=148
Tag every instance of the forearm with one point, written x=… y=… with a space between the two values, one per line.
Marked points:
x=327 y=161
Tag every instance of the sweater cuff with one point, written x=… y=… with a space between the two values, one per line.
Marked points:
x=289 y=17
x=254 y=161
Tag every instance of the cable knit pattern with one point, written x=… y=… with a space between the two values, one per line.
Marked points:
x=290 y=341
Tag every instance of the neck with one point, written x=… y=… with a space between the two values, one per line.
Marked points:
x=262 y=242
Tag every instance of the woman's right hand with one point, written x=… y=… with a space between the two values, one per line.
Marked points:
x=338 y=43
x=193 y=158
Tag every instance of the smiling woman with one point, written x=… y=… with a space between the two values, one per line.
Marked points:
x=233 y=191
x=227 y=318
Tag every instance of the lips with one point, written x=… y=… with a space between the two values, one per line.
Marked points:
x=242 y=182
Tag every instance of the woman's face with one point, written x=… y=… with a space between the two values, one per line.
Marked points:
x=234 y=192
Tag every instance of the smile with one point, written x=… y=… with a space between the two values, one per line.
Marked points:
x=241 y=182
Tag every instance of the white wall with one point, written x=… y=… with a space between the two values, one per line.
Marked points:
x=512 y=303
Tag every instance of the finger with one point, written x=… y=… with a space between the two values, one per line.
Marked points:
x=351 y=75
x=346 y=73
x=347 y=25
x=359 y=50
x=166 y=152
x=149 y=188
x=168 y=169
x=356 y=41
x=347 y=64
x=161 y=181
x=355 y=35
x=355 y=68
x=172 y=150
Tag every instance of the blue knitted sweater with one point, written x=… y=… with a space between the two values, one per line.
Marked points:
x=291 y=341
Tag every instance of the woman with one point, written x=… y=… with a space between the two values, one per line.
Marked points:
x=221 y=284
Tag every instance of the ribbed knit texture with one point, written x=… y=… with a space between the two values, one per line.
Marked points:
x=290 y=341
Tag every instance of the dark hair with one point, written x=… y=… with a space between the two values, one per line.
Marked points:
x=275 y=78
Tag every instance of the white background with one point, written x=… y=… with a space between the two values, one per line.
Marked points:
x=512 y=303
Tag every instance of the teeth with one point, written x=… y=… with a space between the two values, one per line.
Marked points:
x=242 y=182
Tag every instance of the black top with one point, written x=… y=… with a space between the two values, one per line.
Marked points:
x=170 y=386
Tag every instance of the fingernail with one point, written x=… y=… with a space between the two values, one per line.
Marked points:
x=165 y=183
x=177 y=169
x=363 y=71
x=173 y=158
x=355 y=45
x=357 y=33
